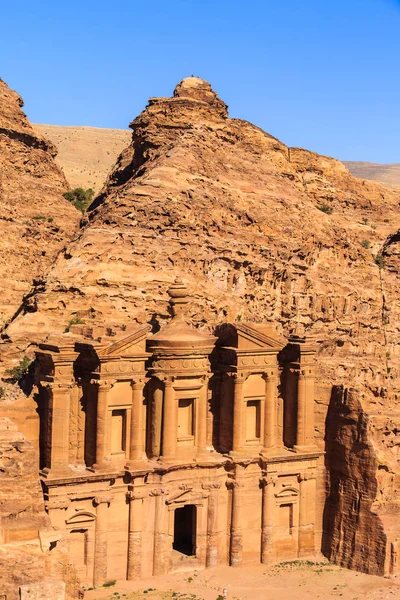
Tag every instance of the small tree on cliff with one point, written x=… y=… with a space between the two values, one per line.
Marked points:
x=80 y=198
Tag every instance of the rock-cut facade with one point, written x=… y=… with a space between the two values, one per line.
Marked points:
x=180 y=448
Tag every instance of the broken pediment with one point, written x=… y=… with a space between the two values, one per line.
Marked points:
x=131 y=345
x=186 y=496
x=258 y=336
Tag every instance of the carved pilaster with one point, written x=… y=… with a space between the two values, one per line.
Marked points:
x=270 y=410
x=236 y=549
x=102 y=450
x=238 y=412
x=137 y=442
x=60 y=416
x=135 y=499
x=212 y=523
x=170 y=420
x=102 y=502
x=160 y=532
x=307 y=485
x=268 y=519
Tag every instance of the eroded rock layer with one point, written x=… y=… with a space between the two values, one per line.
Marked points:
x=35 y=220
x=259 y=232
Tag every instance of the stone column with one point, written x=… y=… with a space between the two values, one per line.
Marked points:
x=170 y=421
x=210 y=415
x=305 y=411
x=101 y=425
x=212 y=524
x=160 y=532
x=236 y=549
x=310 y=433
x=270 y=411
x=201 y=441
x=100 y=544
x=74 y=426
x=80 y=451
x=134 y=535
x=61 y=398
x=156 y=420
x=268 y=520
x=306 y=546
x=136 y=447
x=238 y=413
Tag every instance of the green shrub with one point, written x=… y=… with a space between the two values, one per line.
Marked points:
x=80 y=198
x=380 y=260
x=74 y=321
x=325 y=208
x=109 y=583
x=365 y=244
x=39 y=218
x=2 y=392
x=18 y=372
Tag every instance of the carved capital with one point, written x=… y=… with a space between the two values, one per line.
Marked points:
x=270 y=375
x=103 y=499
x=307 y=476
x=159 y=492
x=240 y=377
x=211 y=486
x=59 y=386
x=185 y=487
x=103 y=385
x=55 y=503
x=135 y=495
x=168 y=381
x=138 y=383
x=269 y=480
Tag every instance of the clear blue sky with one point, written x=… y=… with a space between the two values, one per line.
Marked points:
x=322 y=74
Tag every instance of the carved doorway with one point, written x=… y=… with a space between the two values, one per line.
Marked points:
x=185 y=530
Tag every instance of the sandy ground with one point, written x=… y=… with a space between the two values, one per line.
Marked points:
x=289 y=581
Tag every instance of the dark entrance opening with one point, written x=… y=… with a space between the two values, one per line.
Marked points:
x=185 y=530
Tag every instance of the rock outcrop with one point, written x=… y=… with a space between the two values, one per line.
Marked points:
x=35 y=220
x=260 y=232
x=22 y=514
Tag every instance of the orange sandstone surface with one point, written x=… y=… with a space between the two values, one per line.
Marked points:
x=259 y=232
x=35 y=220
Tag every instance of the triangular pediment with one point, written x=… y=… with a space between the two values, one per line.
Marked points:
x=258 y=337
x=131 y=345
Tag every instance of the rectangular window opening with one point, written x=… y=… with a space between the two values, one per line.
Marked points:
x=118 y=431
x=185 y=418
x=253 y=420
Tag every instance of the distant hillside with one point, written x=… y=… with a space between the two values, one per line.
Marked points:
x=86 y=154
x=386 y=174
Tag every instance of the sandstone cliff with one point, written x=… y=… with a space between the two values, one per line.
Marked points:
x=22 y=515
x=259 y=232
x=36 y=220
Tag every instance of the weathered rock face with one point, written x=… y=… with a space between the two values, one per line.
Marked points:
x=22 y=512
x=354 y=535
x=259 y=232
x=36 y=220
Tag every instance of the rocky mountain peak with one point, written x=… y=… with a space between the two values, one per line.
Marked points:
x=197 y=89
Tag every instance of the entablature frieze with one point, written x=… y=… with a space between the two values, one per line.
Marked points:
x=119 y=367
x=180 y=364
